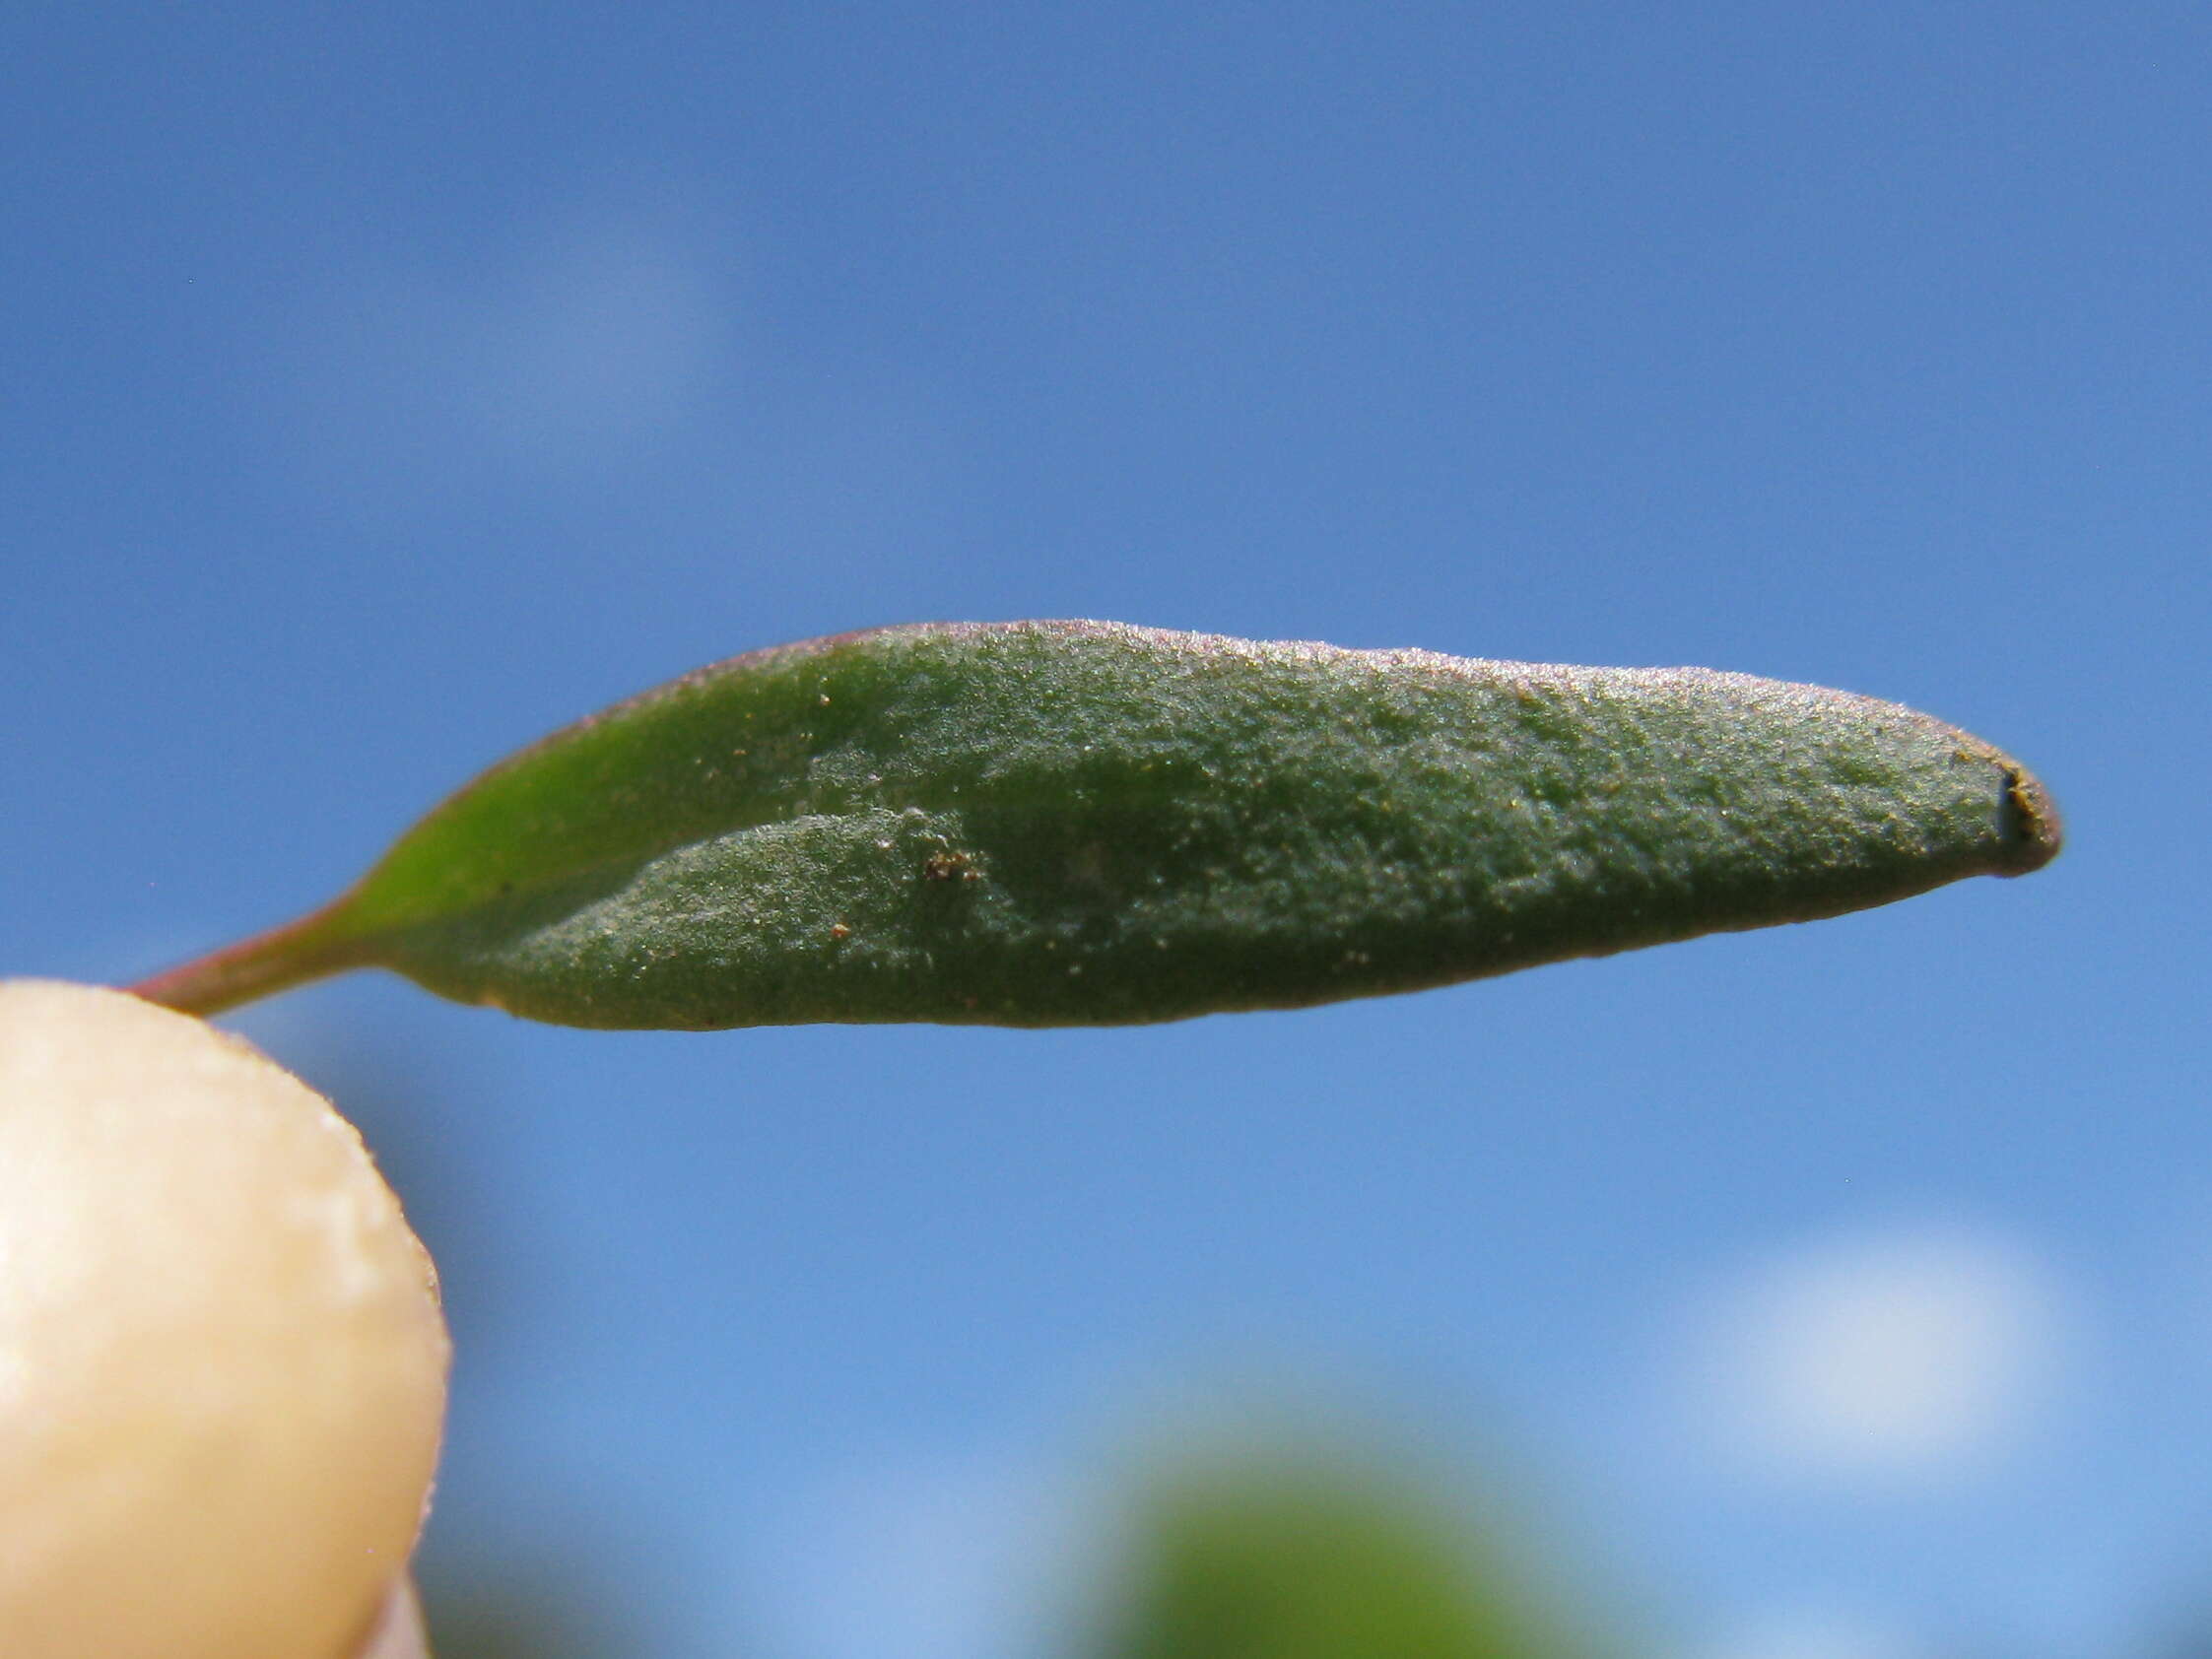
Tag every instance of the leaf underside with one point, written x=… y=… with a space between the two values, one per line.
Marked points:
x=1042 y=824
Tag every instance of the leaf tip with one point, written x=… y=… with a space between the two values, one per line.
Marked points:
x=2028 y=821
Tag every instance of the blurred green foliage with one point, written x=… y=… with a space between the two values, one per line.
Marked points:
x=1281 y=1558
x=1309 y=1561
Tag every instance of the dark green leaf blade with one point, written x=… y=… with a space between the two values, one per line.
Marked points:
x=1040 y=823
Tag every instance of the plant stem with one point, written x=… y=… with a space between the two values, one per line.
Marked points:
x=262 y=965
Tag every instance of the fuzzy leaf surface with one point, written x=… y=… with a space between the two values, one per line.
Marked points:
x=1064 y=823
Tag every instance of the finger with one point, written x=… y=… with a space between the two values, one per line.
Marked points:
x=399 y=1630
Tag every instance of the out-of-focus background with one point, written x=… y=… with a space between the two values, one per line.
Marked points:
x=383 y=385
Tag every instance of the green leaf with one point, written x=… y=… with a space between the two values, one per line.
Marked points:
x=1067 y=823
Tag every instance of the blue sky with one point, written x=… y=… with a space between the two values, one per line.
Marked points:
x=387 y=385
